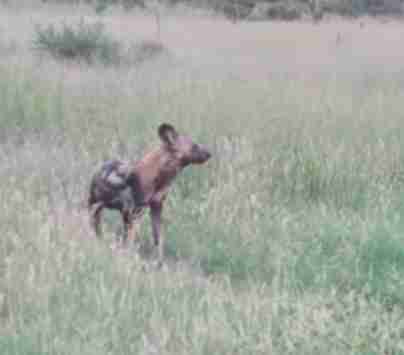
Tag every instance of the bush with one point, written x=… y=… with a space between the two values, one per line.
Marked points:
x=87 y=42
x=230 y=8
x=346 y=7
x=102 y=5
x=144 y=50
x=279 y=10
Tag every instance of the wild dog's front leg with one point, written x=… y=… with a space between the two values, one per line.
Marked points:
x=155 y=212
x=129 y=228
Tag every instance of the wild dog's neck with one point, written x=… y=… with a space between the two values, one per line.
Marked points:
x=157 y=170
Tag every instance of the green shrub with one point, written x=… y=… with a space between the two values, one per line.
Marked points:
x=86 y=42
x=278 y=10
x=102 y=5
x=144 y=50
x=346 y=7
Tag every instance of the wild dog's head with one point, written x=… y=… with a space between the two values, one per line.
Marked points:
x=182 y=147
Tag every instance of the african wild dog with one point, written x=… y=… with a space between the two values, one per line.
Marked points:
x=132 y=187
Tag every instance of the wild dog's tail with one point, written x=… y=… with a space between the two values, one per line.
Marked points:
x=91 y=196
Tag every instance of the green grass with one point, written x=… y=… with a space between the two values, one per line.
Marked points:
x=288 y=241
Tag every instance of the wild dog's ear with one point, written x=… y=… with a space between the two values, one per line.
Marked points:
x=167 y=133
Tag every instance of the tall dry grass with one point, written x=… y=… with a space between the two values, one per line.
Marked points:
x=289 y=241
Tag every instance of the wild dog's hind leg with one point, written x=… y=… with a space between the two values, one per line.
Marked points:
x=95 y=218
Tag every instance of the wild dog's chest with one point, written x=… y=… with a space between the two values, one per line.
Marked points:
x=162 y=180
x=156 y=172
x=159 y=186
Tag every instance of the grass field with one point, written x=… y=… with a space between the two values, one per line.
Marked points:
x=289 y=241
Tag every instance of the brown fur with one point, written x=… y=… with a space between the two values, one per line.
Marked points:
x=130 y=188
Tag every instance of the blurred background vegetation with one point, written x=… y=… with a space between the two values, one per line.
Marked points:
x=263 y=9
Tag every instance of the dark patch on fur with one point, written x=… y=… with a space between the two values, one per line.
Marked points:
x=123 y=197
x=136 y=190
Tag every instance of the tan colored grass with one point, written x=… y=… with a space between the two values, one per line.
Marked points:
x=249 y=50
x=280 y=105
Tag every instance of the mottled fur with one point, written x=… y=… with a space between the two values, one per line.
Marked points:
x=132 y=187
